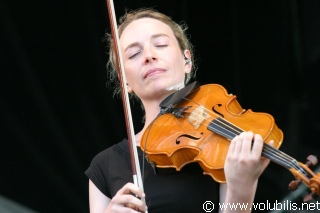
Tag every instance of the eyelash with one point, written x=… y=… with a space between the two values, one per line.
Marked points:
x=162 y=45
x=132 y=56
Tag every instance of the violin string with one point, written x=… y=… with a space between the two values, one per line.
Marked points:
x=231 y=131
x=273 y=154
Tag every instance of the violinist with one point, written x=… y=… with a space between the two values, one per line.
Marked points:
x=157 y=59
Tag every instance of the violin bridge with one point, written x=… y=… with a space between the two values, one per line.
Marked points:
x=197 y=116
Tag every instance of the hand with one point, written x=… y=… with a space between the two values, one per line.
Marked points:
x=125 y=201
x=244 y=163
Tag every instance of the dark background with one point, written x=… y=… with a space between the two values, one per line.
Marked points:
x=57 y=114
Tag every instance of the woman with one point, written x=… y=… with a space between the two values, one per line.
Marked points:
x=157 y=59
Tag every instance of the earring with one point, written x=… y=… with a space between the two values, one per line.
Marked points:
x=188 y=61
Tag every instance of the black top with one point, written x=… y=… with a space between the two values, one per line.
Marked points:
x=167 y=191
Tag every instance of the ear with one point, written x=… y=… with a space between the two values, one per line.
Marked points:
x=187 y=56
x=129 y=89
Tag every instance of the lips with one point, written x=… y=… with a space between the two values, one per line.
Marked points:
x=153 y=72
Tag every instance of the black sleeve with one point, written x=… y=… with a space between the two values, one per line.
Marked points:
x=97 y=174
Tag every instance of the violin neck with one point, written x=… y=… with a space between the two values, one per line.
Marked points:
x=278 y=156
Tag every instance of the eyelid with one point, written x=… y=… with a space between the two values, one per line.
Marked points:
x=161 y=45
x=161 y=40
x=132 y=51
x=133 y=55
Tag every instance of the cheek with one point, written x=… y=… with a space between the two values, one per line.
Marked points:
x=129 y=72
x=180 y=67
x=132 y=77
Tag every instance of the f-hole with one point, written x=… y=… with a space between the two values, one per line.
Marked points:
x=187 y=136
x=213 y=109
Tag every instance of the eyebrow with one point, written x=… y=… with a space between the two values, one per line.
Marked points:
x=159 y=35
x=152 y=37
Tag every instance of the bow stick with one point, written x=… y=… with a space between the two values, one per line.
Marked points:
x=137 y=180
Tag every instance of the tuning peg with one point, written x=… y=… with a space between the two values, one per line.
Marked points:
x=309 y=197
x=311 y=160
x=293 y=185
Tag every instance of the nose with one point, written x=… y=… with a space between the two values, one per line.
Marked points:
x=149 y=55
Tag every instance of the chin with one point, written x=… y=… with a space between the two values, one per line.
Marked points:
x=164 y=87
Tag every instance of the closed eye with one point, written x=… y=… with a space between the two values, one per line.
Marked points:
x=134 y=55
x=161 y=45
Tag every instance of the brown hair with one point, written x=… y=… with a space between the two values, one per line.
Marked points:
x=179 y=30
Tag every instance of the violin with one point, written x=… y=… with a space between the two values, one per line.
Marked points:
x=197 y=125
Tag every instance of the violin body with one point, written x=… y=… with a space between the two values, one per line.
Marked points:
x=200 y=132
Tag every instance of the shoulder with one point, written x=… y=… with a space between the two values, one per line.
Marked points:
x=104 y=164
x=117 y=150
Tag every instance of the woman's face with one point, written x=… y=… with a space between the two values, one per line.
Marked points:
x=153 y=62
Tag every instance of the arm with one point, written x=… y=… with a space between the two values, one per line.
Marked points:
x=123 y=201
x=234 y=200
x=97 y=200
x=243 y=167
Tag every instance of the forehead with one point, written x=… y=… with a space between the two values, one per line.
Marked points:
x=144 y=28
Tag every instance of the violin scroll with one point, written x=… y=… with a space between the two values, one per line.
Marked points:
x=313 y=181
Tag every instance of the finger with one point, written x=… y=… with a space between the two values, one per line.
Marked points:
x=247 y=143
x=238 y=144
x=126 y=198
x=271 y=143
x=232 y=146
x=132 y=188
x=257 y=145
x=265 y=161
x=132 y=202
